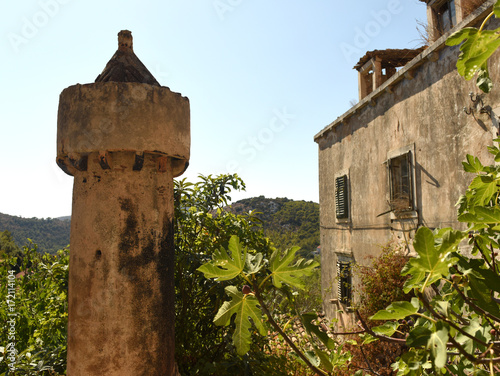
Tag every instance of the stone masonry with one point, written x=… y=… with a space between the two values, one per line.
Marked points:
x=123 y=138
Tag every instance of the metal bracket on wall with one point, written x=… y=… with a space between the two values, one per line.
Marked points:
x=477 y=101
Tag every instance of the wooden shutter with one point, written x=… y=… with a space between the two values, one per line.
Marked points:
x=400 y=175
x=341 y=197
x=344 y=282
x=410 y=180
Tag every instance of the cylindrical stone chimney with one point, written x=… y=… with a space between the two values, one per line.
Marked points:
x=123 y=138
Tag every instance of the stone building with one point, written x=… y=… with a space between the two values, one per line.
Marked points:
x=393 y=162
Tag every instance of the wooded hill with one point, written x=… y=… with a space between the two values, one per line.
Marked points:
x=49 y=234
x=285 y=221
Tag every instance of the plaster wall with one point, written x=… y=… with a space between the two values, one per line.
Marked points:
x=123 y=142
x=121 y=279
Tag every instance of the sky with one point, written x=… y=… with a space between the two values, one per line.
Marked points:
x=262 y=76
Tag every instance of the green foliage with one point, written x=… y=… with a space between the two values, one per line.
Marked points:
x=8 y=245
x=288 y=223
x=281 y=270
x=244 y=306
x=433 y=262
x=396 y=311
x=477 y=47
x=456 y=309
x=39 y=311
x=203 y=231
x=381 y=283
x=223 y=267
x=49 y=234
x=327 y=352
x=264 y=277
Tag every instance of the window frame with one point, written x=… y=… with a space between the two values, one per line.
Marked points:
x=400 y=182
x=344 y=282
x=435 y=16
x=408 y=152
x=450 y=13
x=347 y=196
x=342 y=197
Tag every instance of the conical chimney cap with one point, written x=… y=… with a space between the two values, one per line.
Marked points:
x=125 y=66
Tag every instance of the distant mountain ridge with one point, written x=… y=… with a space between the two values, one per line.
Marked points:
x=286 y=222
x=49 y=234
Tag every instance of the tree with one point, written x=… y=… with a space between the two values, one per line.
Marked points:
x=8 y=245
x=202 y=229
x=258 y=275
x=288 y=223
x=34 y=312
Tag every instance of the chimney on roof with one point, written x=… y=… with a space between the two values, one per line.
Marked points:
x=125 y=41
x=378 y=66
x=125 y=66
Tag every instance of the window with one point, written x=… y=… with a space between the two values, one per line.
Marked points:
x=345 y=282
x=341 y=197
x=443 y=15
x=400 y=182
x=446 y=16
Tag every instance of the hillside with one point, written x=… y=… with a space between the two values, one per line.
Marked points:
x=286 y=222
x=49 y=234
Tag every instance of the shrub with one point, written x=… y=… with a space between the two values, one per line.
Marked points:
x=381 y=284
x=202 y=227
x=40 y=308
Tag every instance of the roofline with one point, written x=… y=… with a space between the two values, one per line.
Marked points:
x=430 y=53
x=377 y=54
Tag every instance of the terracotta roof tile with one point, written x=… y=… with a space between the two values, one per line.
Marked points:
x=391 y=58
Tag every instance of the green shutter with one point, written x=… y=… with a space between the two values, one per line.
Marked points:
x=341 y=197
x=410 y=180
x=344 y=282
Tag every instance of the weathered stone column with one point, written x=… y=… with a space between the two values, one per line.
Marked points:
x=123 y=138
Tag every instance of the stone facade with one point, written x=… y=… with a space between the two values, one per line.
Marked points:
x=393 y=162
